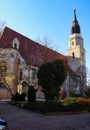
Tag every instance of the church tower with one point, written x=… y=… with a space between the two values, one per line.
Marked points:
x=76 y=51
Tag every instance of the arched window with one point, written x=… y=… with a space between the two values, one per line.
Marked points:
x=15 y=43
x=73 y=56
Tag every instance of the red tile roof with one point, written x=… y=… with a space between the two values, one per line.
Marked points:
x=33 y=52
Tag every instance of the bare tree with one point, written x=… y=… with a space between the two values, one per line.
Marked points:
x=7 y=77
x=47 y=42
x=3 y=73
x=48 y=49
x=81 y=71
x=84 y=74
x=2 y=24
x=88 y=77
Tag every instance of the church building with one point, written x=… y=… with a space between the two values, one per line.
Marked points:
x=20 y=58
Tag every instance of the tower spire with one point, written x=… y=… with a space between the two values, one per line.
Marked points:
x=75 y=26
x=75 y=18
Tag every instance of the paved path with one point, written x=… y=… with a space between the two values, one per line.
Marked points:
x=20 y=119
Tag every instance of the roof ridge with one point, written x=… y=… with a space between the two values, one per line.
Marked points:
x=18 y=33
x=33 y=42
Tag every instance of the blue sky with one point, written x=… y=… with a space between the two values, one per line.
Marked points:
x=52 y=18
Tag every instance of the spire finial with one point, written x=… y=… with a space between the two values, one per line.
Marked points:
x=75 y=18
x=74 y=10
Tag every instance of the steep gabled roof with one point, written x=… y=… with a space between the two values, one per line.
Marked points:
x=32 y=52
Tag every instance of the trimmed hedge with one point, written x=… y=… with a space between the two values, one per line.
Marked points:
x=45 y=106
x=69 y=105
x=75 y=107
x=85 y=103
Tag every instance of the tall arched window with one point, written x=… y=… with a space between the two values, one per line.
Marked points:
x=73 y=55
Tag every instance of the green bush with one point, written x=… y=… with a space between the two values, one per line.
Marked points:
x=69 y=100
x=15 y=97
x=77 y=104
x=45 y=106
x=22 y=96
x=51 y=76
x=67 y=105
x=74 y=107
x=87 y=92
x=32 y=93
x=84 y=102
x=18 y=97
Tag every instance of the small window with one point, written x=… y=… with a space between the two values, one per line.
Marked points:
x=15 y=45
x=73 y=56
